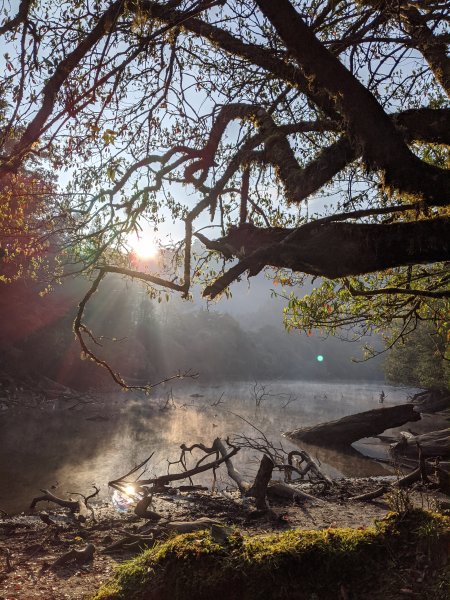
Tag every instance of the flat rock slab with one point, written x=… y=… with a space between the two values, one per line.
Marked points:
x=347 y=430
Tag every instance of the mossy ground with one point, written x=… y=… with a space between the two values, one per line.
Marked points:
x=401 y=552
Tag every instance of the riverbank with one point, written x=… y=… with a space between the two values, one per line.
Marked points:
x=31 y=544
x=71 y=443
x=402 y=555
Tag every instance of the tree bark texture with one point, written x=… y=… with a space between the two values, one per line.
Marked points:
x=434 y=443
x=333 y=249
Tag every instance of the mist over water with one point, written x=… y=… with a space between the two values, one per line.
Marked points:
x=66 y=447
x=68 y=450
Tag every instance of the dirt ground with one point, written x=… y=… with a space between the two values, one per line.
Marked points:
x=29 y=547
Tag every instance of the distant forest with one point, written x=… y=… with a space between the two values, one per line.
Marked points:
x=146 y=340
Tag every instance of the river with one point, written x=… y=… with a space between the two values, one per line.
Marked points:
x=67 y=447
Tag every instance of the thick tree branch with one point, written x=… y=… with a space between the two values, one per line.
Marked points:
x=335 y=249
x=22 y=14
x=55 y=83
x=433 y=50
x=428 y=125
x=425 y=125
x=382 y=146
x=255 y=54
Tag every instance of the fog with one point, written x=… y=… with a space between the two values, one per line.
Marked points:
x=250 y=370
x=70 y=449
x=242 y=338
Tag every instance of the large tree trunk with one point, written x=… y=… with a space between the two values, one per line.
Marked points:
x=347 y=430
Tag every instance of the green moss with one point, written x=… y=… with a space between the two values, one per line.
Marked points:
x=300 y=564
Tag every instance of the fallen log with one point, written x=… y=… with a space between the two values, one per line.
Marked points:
x=434 y=443
x=131 y=541
x=347 y=430
x=409 y=479
x=277 y=489
x=370 y=495
x=190 y=526
x=431 y=401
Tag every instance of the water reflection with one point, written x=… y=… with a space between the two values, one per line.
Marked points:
x=71 y=449
x=346 y=461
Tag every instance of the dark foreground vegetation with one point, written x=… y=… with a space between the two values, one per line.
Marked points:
x=403 y=554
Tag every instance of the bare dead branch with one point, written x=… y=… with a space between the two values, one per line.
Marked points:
x=262 y=479
x=158 y=483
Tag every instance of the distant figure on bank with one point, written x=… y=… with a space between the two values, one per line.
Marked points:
x=382 y=397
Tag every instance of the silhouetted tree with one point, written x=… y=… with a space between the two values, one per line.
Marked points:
x=246 y=112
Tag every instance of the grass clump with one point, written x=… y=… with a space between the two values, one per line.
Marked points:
x=375 y=562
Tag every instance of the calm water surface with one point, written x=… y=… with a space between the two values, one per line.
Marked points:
x=71 y=448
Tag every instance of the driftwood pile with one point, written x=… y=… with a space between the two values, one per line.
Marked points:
x=296 y=466
x=428 y=450
x=222 y=452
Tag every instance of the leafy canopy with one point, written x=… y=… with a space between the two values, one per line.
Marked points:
x=311 y=137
